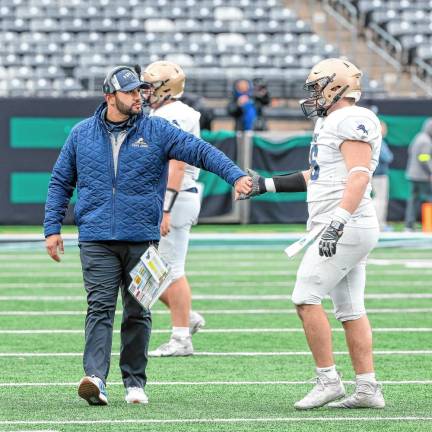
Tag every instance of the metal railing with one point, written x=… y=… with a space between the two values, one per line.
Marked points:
x=335 y=8
x=421 y=75
x=387 y=43
x=377 y=40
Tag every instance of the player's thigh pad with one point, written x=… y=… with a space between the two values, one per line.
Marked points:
x=186 y=209
x=173 y=247
x=348 y=294
x=318 y=275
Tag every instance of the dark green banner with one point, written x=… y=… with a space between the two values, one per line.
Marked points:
x=217 y=196
x=30 y=144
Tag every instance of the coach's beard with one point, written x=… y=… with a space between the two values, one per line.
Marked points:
x=127 y=110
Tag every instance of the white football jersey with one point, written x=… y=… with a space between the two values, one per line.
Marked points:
x=185 y=118
x=328 y=170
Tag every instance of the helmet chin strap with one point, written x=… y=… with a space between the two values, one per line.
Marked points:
x=337 y=98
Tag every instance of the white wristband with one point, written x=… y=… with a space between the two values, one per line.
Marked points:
x=169 y=200
x=341 y=215
x=269 y=184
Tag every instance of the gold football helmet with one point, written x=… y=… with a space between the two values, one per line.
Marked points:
x=167 y=80
x=329 y=81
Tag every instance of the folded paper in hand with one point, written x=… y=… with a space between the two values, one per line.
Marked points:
x=296 y=247
x=150 y=278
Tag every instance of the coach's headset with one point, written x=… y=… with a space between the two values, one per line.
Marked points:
x=110 y=88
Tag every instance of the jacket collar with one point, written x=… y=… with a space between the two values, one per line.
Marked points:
x=100 y=116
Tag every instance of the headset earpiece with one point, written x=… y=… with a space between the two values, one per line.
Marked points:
x=107 y=87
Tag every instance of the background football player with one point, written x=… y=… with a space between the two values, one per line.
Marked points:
x=181 y=206
x=343 y=155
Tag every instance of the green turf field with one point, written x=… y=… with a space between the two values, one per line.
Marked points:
x=251 y=362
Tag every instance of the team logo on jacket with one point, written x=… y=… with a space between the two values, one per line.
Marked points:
x=140 y=143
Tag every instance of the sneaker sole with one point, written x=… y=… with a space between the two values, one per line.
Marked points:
x=152 y=354
x=90 y=392
x=137 y=402
x=356 y=407
x=319 y=406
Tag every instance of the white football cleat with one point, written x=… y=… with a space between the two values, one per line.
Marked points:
x=136 y=395
x=367 y=395
x=325 y=391
x=175 y=347
x=196 y=322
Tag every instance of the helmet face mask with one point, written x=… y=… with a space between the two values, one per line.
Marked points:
x=315 y=104
x=329 y=81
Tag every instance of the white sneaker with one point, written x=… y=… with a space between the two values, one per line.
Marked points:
x=92 y=389
x=136 y=395
x=196 y=322
x=176 y=347
x=367 y=395
x=325 y=391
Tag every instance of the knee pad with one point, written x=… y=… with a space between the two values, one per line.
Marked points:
x=300 y=297
x=177 y=271
x=349 y=312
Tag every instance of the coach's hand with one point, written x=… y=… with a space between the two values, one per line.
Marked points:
x=54 y=246
x=329 y=239
x=243 y=186
x=258 y=185
x=165 y=224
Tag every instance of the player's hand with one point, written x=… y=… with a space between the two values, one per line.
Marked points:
x=243 y=186
x=243 y=99
x=54 y=246
x=258 y=185
x=329 y=239
x=165 y=224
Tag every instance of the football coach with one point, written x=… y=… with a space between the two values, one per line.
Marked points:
x=118 y=161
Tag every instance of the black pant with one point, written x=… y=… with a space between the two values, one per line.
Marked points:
x=106 y=267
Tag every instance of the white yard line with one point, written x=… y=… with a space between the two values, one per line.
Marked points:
x=217 y=312
x=49 y=274
x=213 y=297
x=198 y=284
x=272 y=264
x=224 y=354
x=220 y=330
x=219 y=420
x=201 y=383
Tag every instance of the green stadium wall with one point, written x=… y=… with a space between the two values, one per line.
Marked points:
x=33 y=131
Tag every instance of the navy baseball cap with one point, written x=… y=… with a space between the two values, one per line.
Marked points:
x=122 y=79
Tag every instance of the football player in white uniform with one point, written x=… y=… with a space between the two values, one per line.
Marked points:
x=181 y=207
x=343 y=155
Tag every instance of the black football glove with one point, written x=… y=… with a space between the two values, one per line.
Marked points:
x=258 y=185
x=329 y=239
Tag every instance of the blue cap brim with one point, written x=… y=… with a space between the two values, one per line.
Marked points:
x=131 y=86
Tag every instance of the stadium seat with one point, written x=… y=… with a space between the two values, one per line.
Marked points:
x=219 y=38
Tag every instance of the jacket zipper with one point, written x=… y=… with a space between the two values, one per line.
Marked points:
x=116 y=174
x=113 y=185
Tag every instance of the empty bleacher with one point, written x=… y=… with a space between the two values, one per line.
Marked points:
x=57 y=48
x=403 y=27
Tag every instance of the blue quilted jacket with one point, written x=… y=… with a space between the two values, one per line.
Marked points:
x=126 y=206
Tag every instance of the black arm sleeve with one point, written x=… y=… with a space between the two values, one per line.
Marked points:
x=293 y=182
